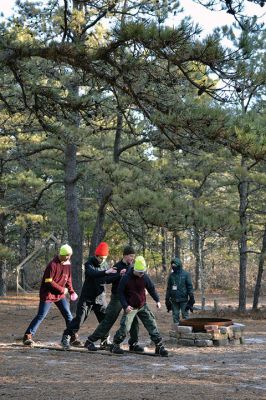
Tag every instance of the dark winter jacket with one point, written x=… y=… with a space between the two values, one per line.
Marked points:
x=55 y=279
x=115 y=278
x=131 y=290
x=179 y=286
x=93 y=285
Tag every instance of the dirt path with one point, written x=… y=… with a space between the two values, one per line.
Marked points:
x=219 y=373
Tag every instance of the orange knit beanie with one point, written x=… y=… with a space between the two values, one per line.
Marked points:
x=102 y=249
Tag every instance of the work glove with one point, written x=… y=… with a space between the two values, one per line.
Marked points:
x=190 y=303
x=168 y=305
x=73 y=296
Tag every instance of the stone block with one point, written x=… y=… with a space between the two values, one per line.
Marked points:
x=219 y=336
x=184 y=329
x=203 y=343
x=187 y=336
x=186 y=342
x=223 y=342
x=228 y=330
x=203 y=336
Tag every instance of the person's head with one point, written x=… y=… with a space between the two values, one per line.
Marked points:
x=101 y=252
x=65 y=253
x=140 y=266
x=128 y=254
x=176 y=264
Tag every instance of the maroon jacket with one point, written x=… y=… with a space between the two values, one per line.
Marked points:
x=55 y=279
x=131 y=290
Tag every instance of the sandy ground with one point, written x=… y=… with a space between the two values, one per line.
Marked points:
x=220 y=373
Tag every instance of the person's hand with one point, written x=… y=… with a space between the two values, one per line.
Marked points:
x=168 y=305
x=190 y=303
x=73 y=296
x=189 y=307
x=123 y=271
x=111 y=271
x=129 y=309
x=158 y=305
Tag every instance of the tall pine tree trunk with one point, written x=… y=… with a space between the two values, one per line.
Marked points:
x=3 y=283
x=243 y=204
x=73 y=226
x=260 y=272
x=199 y=267
x=98 y=233
x=164 y=250
x=177 y=240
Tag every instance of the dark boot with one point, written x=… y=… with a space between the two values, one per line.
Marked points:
x=161 y=350
x=136 y=348
x=115 y=348
x=74 y=340
x=27 y=339
x=90 y=345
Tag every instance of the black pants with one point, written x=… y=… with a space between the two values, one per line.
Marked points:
x=84 y=309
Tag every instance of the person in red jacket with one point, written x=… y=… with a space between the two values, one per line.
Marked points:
x=56 y=283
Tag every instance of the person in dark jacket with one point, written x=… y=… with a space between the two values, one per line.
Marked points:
x=132 y=292
x=179 y=293
x=114 y=307
x=56 y=283
x=92 y=297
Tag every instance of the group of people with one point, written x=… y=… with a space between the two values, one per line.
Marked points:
x=129 y=284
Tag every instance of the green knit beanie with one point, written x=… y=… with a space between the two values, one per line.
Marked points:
x=140 y=264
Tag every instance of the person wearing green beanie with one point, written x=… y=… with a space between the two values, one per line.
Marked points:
x=132 y=292
x=56 y=283
x=179 y=293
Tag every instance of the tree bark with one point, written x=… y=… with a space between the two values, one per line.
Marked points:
x=177 y=245
x=199 y=267
x=98 y=231
x=164 y=251
x=243 y=204
x=3 y=283
x=260 y=272
x=73 y=226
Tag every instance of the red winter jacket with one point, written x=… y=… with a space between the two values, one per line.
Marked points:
x=55 y=279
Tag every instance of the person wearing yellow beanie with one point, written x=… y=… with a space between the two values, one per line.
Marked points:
x=56 y=283
x=132 y=292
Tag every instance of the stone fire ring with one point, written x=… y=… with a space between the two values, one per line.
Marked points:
x=199 y=323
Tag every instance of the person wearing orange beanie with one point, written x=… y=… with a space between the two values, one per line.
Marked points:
x=102 y=250
x=92 y=297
